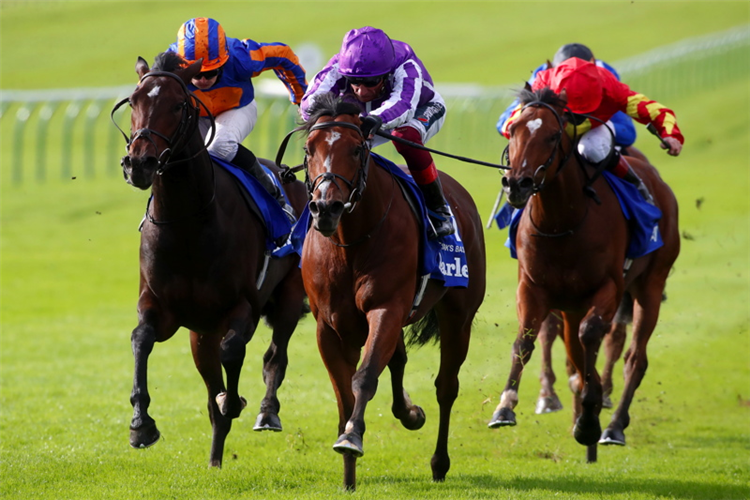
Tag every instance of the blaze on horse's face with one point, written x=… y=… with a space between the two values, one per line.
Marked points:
x=334 y=162
x=157 y=108
x=534 y=138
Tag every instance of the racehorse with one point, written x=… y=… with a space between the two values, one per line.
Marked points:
x=614 y=343
x=360 y=267
x=571 y=242
x=202 y=257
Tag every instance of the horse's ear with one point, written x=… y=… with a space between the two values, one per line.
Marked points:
x=527 y=86
x=549 y=65
x=190 y=71
x=141 y=67
x=564 y=96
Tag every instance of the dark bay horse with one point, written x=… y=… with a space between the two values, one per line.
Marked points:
x=571 y=257
x=360 y=268
x=201 y=258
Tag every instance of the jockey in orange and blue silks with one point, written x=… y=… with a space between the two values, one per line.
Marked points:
x=395 y=92
x=225 y=86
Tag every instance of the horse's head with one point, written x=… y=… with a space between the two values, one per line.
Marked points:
x=336 y=157
x=536 y=141
x=164 y=114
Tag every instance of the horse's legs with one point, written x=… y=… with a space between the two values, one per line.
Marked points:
x=241 y=330
x=646 y=314
x=531 y=313
x=411 y=416
x=548 y=400
x=143 y=431
x=613 y=345
x=382 y=339
x=341 y=364
x=284 y=318
x=206 y=351
x=454 y=344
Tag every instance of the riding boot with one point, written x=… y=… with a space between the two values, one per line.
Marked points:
x=246 y=160
x=437 y=209
x=623 y=170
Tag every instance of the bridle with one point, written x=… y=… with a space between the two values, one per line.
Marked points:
x=179 y=140
x=357 y=184
x=541 y=170
x=189 y=122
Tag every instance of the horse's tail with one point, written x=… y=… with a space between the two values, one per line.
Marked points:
x=423 y=331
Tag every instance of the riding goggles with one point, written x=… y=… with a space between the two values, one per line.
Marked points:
x=369 y=81
x=207 y=74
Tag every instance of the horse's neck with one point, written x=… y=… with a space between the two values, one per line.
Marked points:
x=371 y=208
x=562 y=202
x=185 y=187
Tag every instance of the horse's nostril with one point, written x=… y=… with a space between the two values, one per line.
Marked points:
x=505 y=182
x=526 y=183
x=125 y=161
x=337 y=208
x=314 y=207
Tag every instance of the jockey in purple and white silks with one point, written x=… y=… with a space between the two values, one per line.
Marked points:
x=395 y=92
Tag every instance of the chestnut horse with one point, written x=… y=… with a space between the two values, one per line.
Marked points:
x=571 y=244
x=201 y=257
x=360 y=267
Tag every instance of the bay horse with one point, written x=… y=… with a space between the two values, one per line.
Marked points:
x=360 y=267
x=201 y=257
x=614 y=343
x=571 y=243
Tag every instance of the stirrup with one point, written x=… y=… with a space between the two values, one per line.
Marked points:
x=440 y=225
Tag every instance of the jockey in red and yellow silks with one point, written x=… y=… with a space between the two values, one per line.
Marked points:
x=594 y=91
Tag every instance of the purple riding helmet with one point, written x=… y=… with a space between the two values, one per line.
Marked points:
x=366 y=52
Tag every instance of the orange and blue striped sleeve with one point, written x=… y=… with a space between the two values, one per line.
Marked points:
x=284 y=62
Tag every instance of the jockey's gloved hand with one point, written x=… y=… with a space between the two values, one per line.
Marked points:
x=370 y=125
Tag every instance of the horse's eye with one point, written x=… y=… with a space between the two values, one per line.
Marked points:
x=306 y=151
x=177 y=108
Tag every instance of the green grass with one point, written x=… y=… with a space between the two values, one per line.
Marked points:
x=69 y=275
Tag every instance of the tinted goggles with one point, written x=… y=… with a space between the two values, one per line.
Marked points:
x=207 y=74
x=370 y=81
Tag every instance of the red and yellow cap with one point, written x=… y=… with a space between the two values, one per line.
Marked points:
x=580 y=79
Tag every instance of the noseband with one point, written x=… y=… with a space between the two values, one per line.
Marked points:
x=359 y=181
x=184 y=131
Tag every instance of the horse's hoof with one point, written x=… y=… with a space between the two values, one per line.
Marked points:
x=267 y=422
x=607 y=402
x=349 y=444
x=502 y=418
x=144 y=436
x=415 y=420
x=587 y=430
x=548 y=404
x=226 y=408
x=611 y=436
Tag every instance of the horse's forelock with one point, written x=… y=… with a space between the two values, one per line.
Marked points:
x=545 y=95
x=169 y=61
x=329 y=105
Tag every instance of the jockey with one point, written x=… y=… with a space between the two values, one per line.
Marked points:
x=594 y=95
x=395 y=92
x=620 y=123
x=224 y=85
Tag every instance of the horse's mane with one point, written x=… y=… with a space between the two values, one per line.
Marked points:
x=329 y=105
x=168 y=61
x=545 y=95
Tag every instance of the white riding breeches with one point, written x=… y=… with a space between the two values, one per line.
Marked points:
x=596 y=144
x=232 y=127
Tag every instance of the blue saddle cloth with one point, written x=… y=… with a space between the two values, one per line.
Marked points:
x=644 y=219
x=443 y=259
x=276 y=222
